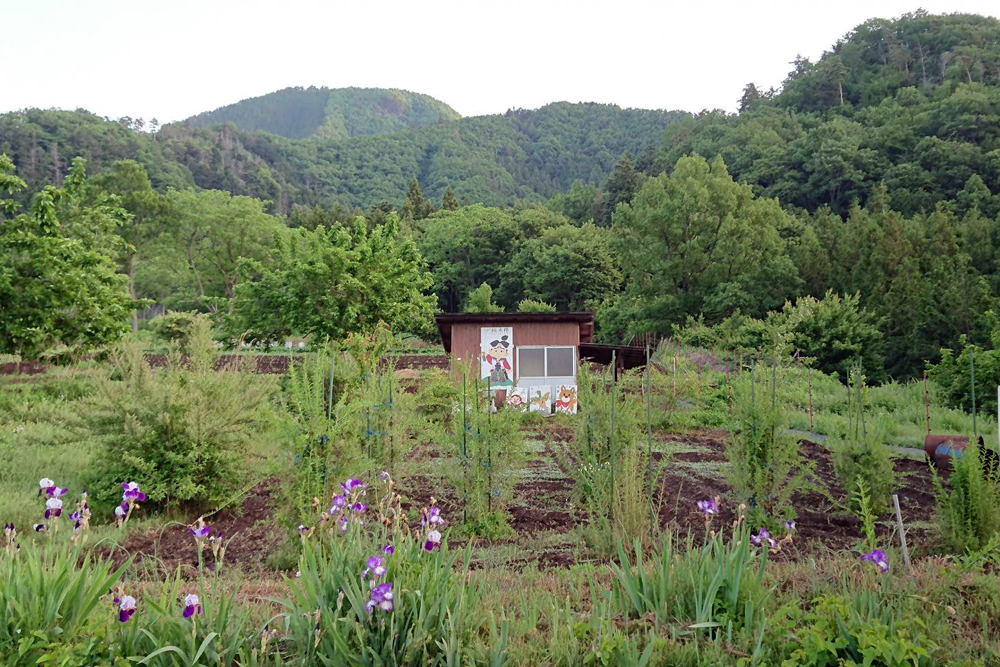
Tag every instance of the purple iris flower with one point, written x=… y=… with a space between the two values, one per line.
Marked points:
x=132 y=492
x=56 y=492
x=192 y=605
x=708 y=507
x=433 y=541
x=120 y=511
x=201 y=532
x=351 y=484
x=339 y=503
x=432 y=517
x=763 y=536
x=359 y=507
x=384 y=474
x=53 y=507
x=39 y=527
x=790 y=525
x=387 y=549
x=376 y=565
x=879 y=558
x=343 y=525
x=126 y=607
x=381 y=598
x=303 y=529
x=44 y=484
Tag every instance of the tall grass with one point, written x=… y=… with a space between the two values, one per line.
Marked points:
x=766 y=468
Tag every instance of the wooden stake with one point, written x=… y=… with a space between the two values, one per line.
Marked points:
x=927 y=404
x=675 y=376
x=811 y=403
x=902 y=533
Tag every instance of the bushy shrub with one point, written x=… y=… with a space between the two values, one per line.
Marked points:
x=969 y=514
x=833 y=332
x=177 y=328
x=835 y=632
x=488 y=448
x=534 y=306
x=954 y=375
x=861 y=453
x=480 y=300
x=182 y=432
x=765 y=465
x=610 y=462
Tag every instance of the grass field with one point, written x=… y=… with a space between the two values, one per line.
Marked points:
x=545 y=585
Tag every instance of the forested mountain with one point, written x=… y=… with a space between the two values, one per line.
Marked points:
x=498 y=159
x=339 y=113
x=913 y=103
x=854 y=214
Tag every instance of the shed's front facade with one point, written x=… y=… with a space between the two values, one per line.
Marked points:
x=519 y=351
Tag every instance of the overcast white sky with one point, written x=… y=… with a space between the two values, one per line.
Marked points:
x=171 y=59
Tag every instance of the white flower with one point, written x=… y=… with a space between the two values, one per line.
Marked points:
x=45 y=483
x=53 y=504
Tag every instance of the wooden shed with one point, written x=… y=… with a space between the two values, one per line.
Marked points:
x=521 y=354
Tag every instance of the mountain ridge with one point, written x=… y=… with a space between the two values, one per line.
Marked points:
x=336 y=113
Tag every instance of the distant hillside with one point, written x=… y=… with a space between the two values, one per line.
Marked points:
x=499 y=159
x=912 y=103
x=339 y=113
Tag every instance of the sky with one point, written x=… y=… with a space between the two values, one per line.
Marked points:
x=172 y=59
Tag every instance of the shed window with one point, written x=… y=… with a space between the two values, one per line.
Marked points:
x=546 y=362
x=531 y=362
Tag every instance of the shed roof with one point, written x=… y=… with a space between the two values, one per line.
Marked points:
x=445 y=321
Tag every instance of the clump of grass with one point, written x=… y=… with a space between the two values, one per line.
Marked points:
x=969 y=514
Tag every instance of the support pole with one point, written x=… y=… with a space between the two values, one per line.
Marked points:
x=927 y=403
x=649 y=446
x=329 y=403
x=902 y=534
x=972 y=382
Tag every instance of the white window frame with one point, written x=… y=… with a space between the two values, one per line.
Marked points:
x=546 y=362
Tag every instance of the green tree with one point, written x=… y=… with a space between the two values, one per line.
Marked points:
x=213 y=234
x=695 y=241
x=59 y=288
x=480 y=300
x=416 y=207
x=330 y=283
x=567 y=266
x=449 y=201
x=620 y=187
x=149 y=216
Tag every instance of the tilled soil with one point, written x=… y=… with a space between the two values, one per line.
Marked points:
x=542 y=505
x=250 y=536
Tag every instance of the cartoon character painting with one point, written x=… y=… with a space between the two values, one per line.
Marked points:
x=517 y=399
x=566 y=399
x=541 y=400
x=496 y=351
